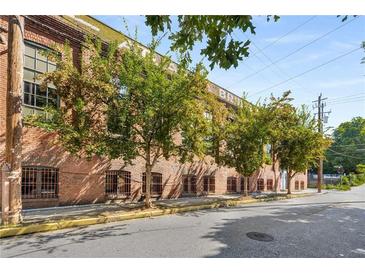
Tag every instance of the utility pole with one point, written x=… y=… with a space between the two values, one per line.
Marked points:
x=321 y=118
x=11 y=185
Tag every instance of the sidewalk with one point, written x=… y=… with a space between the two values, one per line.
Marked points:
x=47 y=219
x=90 y=210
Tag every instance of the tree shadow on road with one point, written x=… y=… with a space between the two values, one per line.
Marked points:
x=55 y=241
x=315 y=230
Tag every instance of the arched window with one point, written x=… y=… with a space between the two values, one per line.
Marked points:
x=39 y=182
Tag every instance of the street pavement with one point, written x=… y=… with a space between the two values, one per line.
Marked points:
x=324 y=225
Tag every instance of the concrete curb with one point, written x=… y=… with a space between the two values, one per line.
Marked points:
x=9 y=231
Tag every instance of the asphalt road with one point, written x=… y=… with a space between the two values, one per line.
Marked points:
x=326 y=225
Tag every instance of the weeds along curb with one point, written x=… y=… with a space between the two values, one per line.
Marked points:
x=9 y=231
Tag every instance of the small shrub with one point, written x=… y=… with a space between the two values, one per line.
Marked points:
x=343 y=187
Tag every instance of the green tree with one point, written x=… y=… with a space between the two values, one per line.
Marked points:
x=348 y=147
x=301 y=146
x=222 y=49
x=244 y=141
x=279 y=119
x=124 y=104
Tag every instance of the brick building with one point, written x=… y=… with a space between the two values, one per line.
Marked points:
x=52 y=177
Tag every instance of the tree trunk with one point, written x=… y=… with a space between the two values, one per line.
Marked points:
x=273 y=159
x=245 y=186
x=290 y=177
x=275 y=178
x=147 y=201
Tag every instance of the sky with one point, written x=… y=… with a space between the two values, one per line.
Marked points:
x=294 y=54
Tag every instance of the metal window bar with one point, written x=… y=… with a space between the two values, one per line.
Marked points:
x=243 y=184
x=118 y=183
x=209 y=184
x=270 y=184
x=185 y=184
x=232 y=184
x=296 y=185
x=156 y=184
x=192 y=183
x=261 y=185
x=39 y=182
x=302 y=185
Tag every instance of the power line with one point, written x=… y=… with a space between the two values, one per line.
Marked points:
x=307 y=71
x=349 y=156
x=295 y=51
x=286 y=34
x=271 y=61
x=361 y=93
x=354 y=101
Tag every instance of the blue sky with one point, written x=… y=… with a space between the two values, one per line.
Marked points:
x=342 y=81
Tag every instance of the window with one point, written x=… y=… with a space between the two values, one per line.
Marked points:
x=301 y=184
x=296 y=185
x=270 y=184
x=39 y=182
x=209 y=184
x=35 y=64
x=118 y=183
x=261 y=185
x=222 y=93
x=185 y=184
x=156 y=184
x=231 y=184
x=243 y=184
x=189 y=184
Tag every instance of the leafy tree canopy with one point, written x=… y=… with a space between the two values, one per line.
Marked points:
x=223 y=48
x=302 y=145
x=245 y=139
x=125 y=103
x=348 y=147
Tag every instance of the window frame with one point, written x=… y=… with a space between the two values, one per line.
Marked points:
x=39 y=184
x=34 y=84
x=115 y=187
x=231 y=184
x=209 y=184
x=189 y=181
x=156 y=183
x=270 y=185
x=261 y=184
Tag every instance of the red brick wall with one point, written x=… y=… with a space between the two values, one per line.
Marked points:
x=82 y=181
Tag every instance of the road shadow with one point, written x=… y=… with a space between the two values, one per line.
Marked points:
x=322 y=230
x=48 y=242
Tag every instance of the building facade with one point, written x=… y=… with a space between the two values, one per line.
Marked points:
x=53 y=177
